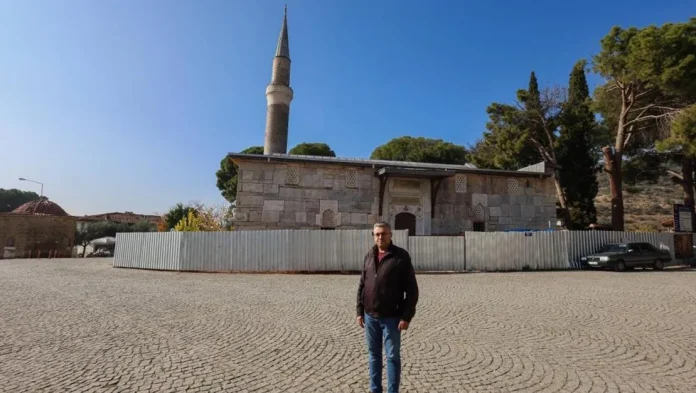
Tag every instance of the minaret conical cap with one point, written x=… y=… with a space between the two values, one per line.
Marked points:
x=283 y=49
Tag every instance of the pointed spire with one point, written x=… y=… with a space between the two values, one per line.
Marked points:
x=283 y=49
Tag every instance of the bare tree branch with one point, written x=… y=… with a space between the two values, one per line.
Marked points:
x=648 y=117
x=644 y=93
x=629 y=134
x=675 y=174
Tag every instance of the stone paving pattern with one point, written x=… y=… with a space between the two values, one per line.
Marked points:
x=83 y=326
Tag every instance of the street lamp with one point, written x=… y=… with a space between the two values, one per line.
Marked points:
x=23 y=179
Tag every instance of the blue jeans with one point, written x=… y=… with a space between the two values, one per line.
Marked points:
x=377 y=330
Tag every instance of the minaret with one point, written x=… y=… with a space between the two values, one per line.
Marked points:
x=278 y=96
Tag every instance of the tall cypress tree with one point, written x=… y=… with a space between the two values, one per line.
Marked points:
x=577 y=156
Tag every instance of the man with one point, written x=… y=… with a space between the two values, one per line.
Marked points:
x=382 y=309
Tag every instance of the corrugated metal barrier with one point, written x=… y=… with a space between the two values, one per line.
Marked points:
x=582 y=243
x=248 y=251
x=438 y=253
x=503 y=251
x=344 y=250
x=158 y=251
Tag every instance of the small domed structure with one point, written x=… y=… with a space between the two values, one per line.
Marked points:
x=41 y=207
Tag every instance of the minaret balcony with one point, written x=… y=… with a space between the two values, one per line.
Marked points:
x=278 y=94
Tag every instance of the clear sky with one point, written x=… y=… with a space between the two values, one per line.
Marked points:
x=130 y=105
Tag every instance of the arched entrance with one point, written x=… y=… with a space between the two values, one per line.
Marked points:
x=405 y=221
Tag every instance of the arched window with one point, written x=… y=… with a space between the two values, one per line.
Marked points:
x=479 y=213
x=479 y=218
x=328 y=219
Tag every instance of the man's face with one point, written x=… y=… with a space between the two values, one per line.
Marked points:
x=382 y=236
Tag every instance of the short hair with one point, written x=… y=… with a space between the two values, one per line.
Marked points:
x=382 y=224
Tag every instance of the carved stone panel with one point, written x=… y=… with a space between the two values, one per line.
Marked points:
x=416 y=210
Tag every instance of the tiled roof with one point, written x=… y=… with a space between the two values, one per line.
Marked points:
x=41 y=207
x=122 y=218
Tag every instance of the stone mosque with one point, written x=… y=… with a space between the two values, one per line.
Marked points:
x=281 y=191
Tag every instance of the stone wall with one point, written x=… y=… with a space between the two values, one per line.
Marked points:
x=314 y=195
x=22 y=234
x=305 y=195
x=495 y=200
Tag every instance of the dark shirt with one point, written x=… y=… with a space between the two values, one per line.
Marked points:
x=384 y=281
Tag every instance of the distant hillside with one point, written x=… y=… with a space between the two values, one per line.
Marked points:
x=647 y=204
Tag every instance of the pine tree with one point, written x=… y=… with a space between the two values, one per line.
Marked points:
x=576 y=154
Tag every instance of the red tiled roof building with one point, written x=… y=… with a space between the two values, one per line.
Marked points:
x=41 y=207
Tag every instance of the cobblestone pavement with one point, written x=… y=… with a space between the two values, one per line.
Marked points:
x=83 y=326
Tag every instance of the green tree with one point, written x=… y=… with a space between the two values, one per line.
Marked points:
x=522 y=134
x=176 y=214
x=530 y=125
x=541 y=113
x=577 y=155
x=95 y=231
x=645 y=166
x=312 y=149
x=106 y=228
x=650 y=75
x=683 y=140
x=227 y=175
x=419 y=149
x=14 y=198
x=683 y=133
x=141 y=226
x=190 y=223
x=82 y=238
x=504 y=145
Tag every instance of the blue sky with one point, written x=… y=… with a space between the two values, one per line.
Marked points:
x=130 y=105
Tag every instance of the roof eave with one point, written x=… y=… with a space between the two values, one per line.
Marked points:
x=236 y=157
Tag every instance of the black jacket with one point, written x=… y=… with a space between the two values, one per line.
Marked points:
x=383 y=284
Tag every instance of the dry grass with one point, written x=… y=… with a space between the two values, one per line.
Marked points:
x=646 y=205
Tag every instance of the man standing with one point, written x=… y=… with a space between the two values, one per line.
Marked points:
x=383 y=311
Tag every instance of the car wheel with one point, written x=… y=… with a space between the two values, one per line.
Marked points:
x=659 y=265
x=620 y=266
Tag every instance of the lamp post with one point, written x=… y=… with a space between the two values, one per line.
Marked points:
x=32 y=181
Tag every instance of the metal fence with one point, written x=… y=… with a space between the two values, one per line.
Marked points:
x=157 y=251
x=248 y=251
x=503 y=251
x=582 y=243
x=344 y=250
x=438 y=253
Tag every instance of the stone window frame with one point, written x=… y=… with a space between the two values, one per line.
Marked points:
x=478 y=213
x=513 y=186
x=292 y=175
x=10 y=242
x=331 y=221
x=460 y=184
x=351 y=178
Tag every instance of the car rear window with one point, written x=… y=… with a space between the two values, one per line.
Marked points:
x=613 y=248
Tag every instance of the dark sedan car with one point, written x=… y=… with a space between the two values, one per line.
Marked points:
x=621 y=256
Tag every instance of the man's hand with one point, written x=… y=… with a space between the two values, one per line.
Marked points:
x=361 y=322
x=403 y=325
